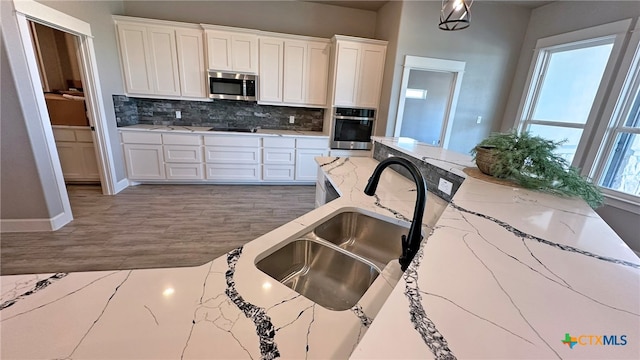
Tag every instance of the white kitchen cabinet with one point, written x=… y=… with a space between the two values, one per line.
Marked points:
x=76 y=152
x=359 y=67
x=161 y=58
x=135 y=57
x=176 y=171
x=144 y=161
x=270 y=74
x=191 y=66
x=182 y=154
x=233 y=172
x=278 y=172
x=296 y=71
x=232 y=51
x=306 y=152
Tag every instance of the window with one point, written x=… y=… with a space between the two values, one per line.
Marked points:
x=566 y=99
x=618 y=167
x=567 y=80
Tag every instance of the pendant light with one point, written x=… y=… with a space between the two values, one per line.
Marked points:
x=455 y=14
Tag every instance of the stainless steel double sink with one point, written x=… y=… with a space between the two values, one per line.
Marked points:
x=337 y=261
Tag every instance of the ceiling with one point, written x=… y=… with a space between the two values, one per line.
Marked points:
x=376 y=5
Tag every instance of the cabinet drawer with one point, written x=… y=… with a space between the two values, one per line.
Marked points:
x=235 y=141
x=184 y=171
x=130 y=137
x=84 y=135
x=279 y=142
x=232 y=155
x=279 y=156
x=233 y=172
x=182 y=154
x=278 y=172
x=64 y=134
x=181 y=139
x=312 y=143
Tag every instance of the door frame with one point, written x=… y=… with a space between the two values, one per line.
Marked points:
x=29 y=10
x=432 y=64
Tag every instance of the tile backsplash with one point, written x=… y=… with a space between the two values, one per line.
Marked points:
x=217 y=113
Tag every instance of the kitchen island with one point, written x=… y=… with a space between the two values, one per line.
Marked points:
x=506 y=273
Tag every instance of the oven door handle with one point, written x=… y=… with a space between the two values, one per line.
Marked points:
x=356 y=118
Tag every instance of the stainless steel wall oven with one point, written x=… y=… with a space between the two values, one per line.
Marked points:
x=352 y=128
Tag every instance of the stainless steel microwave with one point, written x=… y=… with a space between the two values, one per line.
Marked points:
x=230 y=86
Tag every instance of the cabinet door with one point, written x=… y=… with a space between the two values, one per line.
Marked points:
x=295 y=77
x=347 y=69
x=70 y=160
x=370 y=78
x=87 y=154
x=135 y=57
x=191 y=67
x=164 y=57
x=218 y=50
x=270 y=75
x=184 y=171
x=306 y=166
x=144 y=162
x=317 y=73
x=277 y=172
x=244 y=53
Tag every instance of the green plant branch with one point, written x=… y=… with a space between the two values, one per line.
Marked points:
x=531 y=162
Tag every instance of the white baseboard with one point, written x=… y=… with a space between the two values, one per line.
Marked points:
x=121 y=185
x=31 y=225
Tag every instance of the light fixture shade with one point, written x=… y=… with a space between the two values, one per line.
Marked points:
x=455 y=14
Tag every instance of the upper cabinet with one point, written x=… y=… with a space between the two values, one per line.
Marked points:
x=358 y=71
x=293 y=71
x=161 y=60
x=232 y=51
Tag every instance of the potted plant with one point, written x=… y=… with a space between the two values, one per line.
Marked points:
x=531 y=162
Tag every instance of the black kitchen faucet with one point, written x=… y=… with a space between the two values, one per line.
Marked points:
x=410 y=243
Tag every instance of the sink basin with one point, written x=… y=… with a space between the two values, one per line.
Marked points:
x=325 y=276
x=375 y=240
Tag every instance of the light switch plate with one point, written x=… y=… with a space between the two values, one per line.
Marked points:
x=445 y=186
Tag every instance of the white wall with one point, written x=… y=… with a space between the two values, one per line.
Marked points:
x=561 y=17
x=293 y=17
x=490 y=47
x=27 y=178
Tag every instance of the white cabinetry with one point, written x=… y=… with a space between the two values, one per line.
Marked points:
x=161 y=58
x=279 y=158
x=233 y=158
x=76 y=152
x=359 y=67
x=306 y=152
x=143 y=155
x=293 y=72
x=182 y=156
x=232 y=51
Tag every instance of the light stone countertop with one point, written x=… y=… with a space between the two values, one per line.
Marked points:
x=506 y=273
x=205 y=130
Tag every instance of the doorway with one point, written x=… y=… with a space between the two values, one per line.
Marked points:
x=428 y=97
x=40 y=127
x=57 y=56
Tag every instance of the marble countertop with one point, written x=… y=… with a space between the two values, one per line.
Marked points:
x=205 y=130
x=506 y=273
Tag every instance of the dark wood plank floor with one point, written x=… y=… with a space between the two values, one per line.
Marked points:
x=150 y=226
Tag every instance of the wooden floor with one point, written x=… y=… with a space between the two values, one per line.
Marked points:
x=150 y=226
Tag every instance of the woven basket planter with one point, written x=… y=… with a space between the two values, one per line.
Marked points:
x=485 y=158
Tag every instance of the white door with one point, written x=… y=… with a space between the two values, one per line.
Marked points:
x=144 y=162
x=306 y=166
x=370 y=79
x=164 y=59
x=136 y=61
x=191 y=65
x=218 y=50
x=347 y=71
x=317 y=73
x=244 y=53
x=271 y=67
x=294 y=84
x=428 y=97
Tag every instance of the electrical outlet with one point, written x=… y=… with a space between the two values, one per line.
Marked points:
x=445 y=186
x=292 y=119
x=478 y=119
x=178 y=114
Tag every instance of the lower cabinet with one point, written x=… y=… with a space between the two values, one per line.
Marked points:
x=144 y=161
x=77 y=154
x=156 y=156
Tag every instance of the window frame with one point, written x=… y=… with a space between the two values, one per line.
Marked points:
x=616 y=31
x=625 y=86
